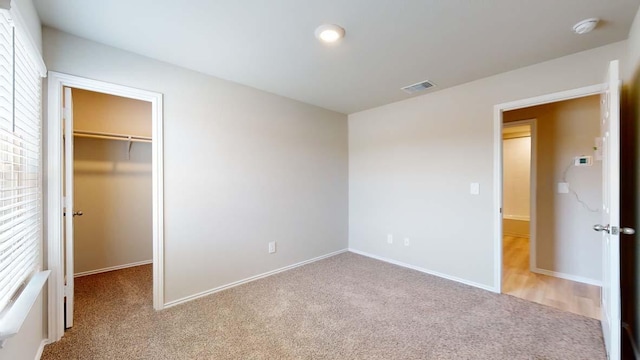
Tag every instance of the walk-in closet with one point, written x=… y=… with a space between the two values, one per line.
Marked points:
x=111 y=183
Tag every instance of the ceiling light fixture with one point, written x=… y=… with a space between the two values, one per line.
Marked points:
x=585 y=26
x=329 y=33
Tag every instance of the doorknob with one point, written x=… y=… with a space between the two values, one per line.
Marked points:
x=598 y=227
x=614 y=229
x=627 y=231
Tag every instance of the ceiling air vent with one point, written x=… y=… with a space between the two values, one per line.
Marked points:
x=421 y=86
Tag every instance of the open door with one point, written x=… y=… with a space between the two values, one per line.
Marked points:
x=68 y=206
x=610 y=227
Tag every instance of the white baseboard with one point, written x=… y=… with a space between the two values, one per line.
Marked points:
x=249 y=279
x=560 y=275
x=426 y=271
x=112 y=268
x=43 y=343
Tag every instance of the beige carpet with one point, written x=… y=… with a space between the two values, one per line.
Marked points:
x=344 y=307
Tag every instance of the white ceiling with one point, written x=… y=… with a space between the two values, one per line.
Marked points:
x=270 y=44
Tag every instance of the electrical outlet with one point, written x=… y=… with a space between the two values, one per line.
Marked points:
x=389 y=239
x=406 y=242
x=272 y=247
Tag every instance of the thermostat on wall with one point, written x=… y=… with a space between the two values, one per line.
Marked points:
x=583 y=161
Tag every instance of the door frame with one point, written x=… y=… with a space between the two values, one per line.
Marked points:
x=54 y=199
x=533 y=171
x=498 y=110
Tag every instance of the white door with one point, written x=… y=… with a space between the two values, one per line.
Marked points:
x=68 y=205
x=610 y=227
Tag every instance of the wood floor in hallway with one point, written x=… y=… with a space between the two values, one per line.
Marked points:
x=517 y=280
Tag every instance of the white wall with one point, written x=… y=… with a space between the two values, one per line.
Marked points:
x=242 y=167
x=411 y=162
x=516 y=178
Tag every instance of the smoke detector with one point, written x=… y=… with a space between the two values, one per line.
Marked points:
x=417 y=87
x=585 y=26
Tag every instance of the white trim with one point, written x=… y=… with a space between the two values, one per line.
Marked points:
x=250 y=279
x=54 y=241
x=565 y=276
x=497 y=160
x=554 y=97
x=112 y=268
x=43 y=343
x=426 y=271
x=497 y=199
x=516 y=217
x=18 y=311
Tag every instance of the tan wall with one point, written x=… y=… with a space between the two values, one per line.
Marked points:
x=516 y=155
x=114 y=192
x=565 y=241
x=113 y=114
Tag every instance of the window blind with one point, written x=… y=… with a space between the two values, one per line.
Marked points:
x=20 y=163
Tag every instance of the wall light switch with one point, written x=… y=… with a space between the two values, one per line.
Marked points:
x=406 y=242
x=389 y=239
x=474 y=189
x=563 y=188
x=272 y=247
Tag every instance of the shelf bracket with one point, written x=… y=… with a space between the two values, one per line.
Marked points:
x=129 y=153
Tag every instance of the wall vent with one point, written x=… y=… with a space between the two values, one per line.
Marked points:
x=421 y=86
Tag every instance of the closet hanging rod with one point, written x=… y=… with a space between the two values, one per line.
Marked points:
x=111 y=136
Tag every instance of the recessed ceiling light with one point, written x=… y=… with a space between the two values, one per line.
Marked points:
x=585 y=26
x=329 y=33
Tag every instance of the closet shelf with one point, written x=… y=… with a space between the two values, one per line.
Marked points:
x=111 y=136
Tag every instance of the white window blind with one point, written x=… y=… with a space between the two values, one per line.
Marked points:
x=20 y=163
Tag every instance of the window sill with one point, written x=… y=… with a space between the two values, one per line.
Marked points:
x=12 y=321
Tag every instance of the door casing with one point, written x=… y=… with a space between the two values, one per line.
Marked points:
x=54 y=178
x=498 y=111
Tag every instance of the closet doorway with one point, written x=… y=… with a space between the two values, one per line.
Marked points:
x=104 y=196
x=111 y=183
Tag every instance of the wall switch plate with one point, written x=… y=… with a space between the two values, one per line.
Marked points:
x=389 y=239
x=563 y=188
x=272 y=247
x=406 y=242
x=474 y=189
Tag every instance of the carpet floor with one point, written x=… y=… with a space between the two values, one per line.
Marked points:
x=344 y=307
